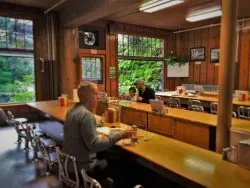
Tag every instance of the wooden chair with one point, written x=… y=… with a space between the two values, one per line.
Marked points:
x=214 y=109
x=244 y=112
x=195 y=105
x=65 y=176
x=88 y=181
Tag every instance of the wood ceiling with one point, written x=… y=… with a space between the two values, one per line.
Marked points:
x=173 y=18
x=33 y=3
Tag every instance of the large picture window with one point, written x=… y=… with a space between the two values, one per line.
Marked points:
x=135 y=46
x=17 y=79
x=140 y=58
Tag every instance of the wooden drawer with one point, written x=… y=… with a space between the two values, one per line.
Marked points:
x=192 y=133
x=134 y=117
x=161 y=124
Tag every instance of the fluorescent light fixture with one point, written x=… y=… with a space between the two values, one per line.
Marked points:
x=204 y=14
x=155 y=5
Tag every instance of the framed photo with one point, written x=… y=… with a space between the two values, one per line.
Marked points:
x=197 y=54
x=214 y=55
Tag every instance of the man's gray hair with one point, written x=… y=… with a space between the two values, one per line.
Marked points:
x=85 y=87
x=140 y=82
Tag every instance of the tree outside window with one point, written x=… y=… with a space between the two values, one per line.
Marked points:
x=17 y=79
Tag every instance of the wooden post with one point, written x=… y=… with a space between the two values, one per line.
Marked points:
x=226 y=72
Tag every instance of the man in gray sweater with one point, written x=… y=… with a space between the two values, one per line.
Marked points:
x=80 y=137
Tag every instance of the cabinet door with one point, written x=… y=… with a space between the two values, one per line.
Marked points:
x=161 y=124
x=236 y=136
x=192 y=133
x=134 y=117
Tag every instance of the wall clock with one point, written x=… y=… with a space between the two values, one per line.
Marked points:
x=90 y=38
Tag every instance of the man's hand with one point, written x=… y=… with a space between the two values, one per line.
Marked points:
x=127 y=134
x=139 y=98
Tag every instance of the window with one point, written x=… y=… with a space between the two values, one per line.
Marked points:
x=92 y=69
x=17 y=79
x=16 y=34
x=140 y=58
x=135 y=46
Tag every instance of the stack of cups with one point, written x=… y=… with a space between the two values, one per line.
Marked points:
x=63 y=100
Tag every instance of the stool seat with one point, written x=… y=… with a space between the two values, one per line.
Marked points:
x=48 y=143
x=21 y=120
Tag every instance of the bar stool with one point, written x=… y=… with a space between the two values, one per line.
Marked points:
x=214 y=109
x=20 y=120
x=195 y=105
x=47 y=148
x=244 y=112
x=88 y=181
x=64 y=174
x=173 y=102
x=3 y=118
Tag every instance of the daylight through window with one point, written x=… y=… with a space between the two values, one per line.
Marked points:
x=17 y=79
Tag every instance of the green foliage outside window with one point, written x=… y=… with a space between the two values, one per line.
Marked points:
x=17 y=83
x=131 y=70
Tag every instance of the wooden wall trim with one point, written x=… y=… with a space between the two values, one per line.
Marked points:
x=116 y=27
x=19 y=11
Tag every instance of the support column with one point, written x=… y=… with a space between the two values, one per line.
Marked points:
x=226 y=72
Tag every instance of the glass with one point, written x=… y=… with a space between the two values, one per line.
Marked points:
x=29 y=43
x=20 y=44
x=17 y=79
x=3 y=42
x=91 y=69
x=11 y=40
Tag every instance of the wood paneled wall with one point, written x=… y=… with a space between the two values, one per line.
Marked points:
x=68 y=61
x=204 y=73
x=70 y=54
x=244 y=57
x=207 y=72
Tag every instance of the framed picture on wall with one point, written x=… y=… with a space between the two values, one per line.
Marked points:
x=197 y=54
x=214 y=55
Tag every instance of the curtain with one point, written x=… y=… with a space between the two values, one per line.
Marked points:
x=46 y=32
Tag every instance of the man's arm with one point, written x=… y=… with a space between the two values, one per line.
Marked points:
x=90 y=137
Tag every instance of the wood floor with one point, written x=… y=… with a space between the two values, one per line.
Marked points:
x=17 y=168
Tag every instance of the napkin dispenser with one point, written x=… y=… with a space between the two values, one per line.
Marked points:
x=244 y=153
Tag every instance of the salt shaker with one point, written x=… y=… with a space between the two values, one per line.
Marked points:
x=134 y=138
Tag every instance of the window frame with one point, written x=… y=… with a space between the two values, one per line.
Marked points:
x=19 y=51
x=139 y=48
x=102 y=61
x=143 y=58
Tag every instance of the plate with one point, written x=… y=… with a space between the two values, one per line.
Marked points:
x=127 y=142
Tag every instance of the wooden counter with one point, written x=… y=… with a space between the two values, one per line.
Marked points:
x=197 y=128
x=163 y=154
x=206 y=100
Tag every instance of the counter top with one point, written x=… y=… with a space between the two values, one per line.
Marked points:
x=202 y=98
x=196 y=164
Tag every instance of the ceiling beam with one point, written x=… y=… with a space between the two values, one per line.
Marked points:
x=79 y=12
